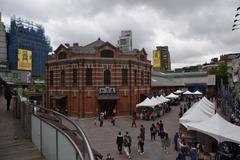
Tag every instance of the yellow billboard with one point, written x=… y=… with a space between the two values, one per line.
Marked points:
x=156 y=59
x=24 y=59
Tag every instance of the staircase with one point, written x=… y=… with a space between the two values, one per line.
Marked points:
x=13 y=144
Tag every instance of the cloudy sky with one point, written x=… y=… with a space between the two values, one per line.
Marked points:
x=194 y=30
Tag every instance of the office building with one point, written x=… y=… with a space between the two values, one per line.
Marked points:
x=161 y=59
x=28 y=47
x=125 y=41
x=3 y=45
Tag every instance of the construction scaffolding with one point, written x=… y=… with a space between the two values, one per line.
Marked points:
x=27 y=35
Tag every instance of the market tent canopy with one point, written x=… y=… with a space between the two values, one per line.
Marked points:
x=187 y=93
x=163 y=99
x=197 y=93
x=146 y=103
x=172 y=96
x=199 y=111
x=155 y=100
x=218 y=128
x=178 y=92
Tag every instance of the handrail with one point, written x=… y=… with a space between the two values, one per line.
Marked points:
x=68 y=137
x=78 y=129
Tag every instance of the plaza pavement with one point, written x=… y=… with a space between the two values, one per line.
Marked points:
x=103 y=139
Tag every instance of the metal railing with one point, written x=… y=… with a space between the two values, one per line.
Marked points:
x=24 y=112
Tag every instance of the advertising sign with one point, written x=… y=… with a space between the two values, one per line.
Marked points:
x=24 y=59
x=156 y=59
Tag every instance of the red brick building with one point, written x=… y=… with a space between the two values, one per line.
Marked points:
x=97 y=77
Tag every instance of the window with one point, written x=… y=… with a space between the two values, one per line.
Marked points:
x=62 y=77
x=124 y=76
x=107 y=77
x=88 y=76
x=62 y=55
x=107 y=54
x=74 y=74
x=51 y=77
x=142 y=78
x=135 y=77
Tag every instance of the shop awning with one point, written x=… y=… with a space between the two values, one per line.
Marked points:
x=58 y=97
x=108 y=97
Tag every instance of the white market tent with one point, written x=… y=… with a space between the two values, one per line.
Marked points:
x=197 y=93
x=146 y=103
x=218 y=128
x=163 y=99
x=172 y=96
x=199 y=111
x=155 y=100
x=178 y=92
x=187 y=93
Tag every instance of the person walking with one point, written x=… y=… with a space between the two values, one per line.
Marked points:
x=181 y=156
x=129 y=142
x=119 y=142
x=153 y=132
x=134 y=121
x=162 y=136
x=193 y=152
x=175 y=140
x=8 y=96
x=141 y=144
x=126 y=146
x=167 y=143
x=161 y=126
x=158 y=129
x=142 y=130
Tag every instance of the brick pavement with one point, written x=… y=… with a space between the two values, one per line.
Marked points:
x=103 y=139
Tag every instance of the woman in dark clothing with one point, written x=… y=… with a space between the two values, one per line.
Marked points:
x=119 y=142
x=8 y=96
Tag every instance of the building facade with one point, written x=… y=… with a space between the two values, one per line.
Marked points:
x=125 y=41
x=161 y=59
x=28 y=47
x=98 y=77
x=3 y=45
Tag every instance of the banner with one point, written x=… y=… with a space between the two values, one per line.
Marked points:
x=24 y=59
x=156 y=59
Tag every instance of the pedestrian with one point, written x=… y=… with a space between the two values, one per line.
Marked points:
x=158 y=129
x=193 y=152
x=119 y=142
x=175 y=140
x=101 y=118
x=161 y=126
x=134 y=121
x=153 y=132
x=141 y=143
x=167 y=142
x=8 y=96
x=109 y=157
x=113 y=120
x=142 y=130
x=181 y=156
x=126 y=146
x=162 y=136
x=95 y=121
x=130 y=142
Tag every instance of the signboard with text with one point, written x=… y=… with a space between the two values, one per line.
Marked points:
x=156 y=59
x=107 y=90
x=24 y=59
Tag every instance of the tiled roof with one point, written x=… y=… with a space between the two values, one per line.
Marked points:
x=88 y=49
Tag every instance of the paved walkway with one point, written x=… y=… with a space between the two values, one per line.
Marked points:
x=103 y=139
x=13 y=144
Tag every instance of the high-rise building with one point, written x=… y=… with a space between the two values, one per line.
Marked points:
x=125 y=41
x=28 y=47
x=3 y=45
x=161 y=59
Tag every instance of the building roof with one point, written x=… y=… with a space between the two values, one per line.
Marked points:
x=88 y=49
x=176 y=79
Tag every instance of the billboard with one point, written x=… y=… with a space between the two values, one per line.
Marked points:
x=24 y=59
x=156 y=59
